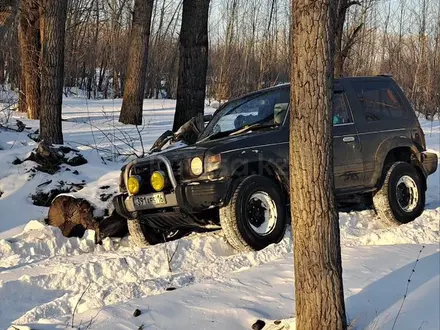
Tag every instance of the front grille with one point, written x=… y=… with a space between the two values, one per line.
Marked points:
x=145 y=171
x=177 y=169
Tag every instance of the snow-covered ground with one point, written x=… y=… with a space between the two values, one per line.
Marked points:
x=46 y=278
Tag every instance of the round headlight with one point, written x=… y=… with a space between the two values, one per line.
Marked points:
x=133 y=185
x=197 y=166
x=157 y=180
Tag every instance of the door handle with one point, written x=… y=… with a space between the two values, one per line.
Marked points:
x=348 y=139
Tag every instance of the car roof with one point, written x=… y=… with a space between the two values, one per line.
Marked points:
x=337 y=82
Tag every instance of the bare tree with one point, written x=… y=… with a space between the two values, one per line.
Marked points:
x=249 y=47
x=225 y=68
x=52 y=26
x=342 y=49
x=317 y=251
x=193 y=62
x=8 y=9
x=30 y=48
x=134 y=88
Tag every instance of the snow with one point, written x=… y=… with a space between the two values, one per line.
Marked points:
x=45 y=277
x=374 y=279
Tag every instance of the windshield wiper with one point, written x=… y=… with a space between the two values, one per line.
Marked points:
x=219 y=135
x=237 y=131
x=253 y=127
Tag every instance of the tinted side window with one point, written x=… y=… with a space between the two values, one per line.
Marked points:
x=341 y=111
x=379 y=101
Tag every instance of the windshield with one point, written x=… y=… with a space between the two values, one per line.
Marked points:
x=265 y=108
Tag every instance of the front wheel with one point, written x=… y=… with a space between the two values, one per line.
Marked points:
x=136 y=233
x=143 y=235
x=401 y=198
x=256 y=215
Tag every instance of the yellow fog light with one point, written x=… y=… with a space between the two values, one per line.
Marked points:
x=157 y=180
x=133 y=185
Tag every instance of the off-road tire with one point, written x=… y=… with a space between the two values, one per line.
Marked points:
x=236 y=227
x=385 y=200
x=142 y=235
x=136 y=233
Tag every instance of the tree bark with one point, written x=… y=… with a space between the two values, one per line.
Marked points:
x=30 y=47
x=193 y=63
x=317 y=251
x=52 y=25
x=134 y=85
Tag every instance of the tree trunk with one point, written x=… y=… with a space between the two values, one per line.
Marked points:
x=341 y=10
x=315 y=226
x=134 y=85
x=116 y=93
x=52 y=25
x=8 y=9
x=30 y=47
x=193 y=63
x=2 y=67
x=22 y=107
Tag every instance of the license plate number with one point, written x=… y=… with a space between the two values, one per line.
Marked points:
x=153 y=199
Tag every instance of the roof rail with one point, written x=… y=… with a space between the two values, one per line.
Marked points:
x=389 y=75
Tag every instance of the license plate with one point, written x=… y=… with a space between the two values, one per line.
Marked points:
x=153 y=200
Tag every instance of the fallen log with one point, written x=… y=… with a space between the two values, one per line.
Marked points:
x=76 y=215
x=68 y=213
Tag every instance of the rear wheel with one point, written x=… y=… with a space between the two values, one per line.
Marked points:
x=401 y=198
x=256 y=215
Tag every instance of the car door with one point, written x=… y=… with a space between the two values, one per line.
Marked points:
x=347 y=158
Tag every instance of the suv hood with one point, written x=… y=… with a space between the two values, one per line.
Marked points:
x=182 y=152
x=242 y=141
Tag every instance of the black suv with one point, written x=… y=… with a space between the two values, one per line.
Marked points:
x=237 y=174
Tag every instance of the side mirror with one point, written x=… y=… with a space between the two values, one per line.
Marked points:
x=207 y=118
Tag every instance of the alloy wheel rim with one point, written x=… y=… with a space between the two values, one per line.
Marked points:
x=407 y=193
x=262 y=213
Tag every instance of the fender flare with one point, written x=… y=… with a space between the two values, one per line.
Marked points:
x=389 y=145
x=263 y=162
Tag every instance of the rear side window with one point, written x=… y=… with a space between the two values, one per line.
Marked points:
x=341 y=111
x=379 y=101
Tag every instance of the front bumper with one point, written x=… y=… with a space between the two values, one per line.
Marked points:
x=189 y=198
x=184 y=198
x=429 y=162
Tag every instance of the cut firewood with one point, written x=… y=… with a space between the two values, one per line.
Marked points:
x=66 y=212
